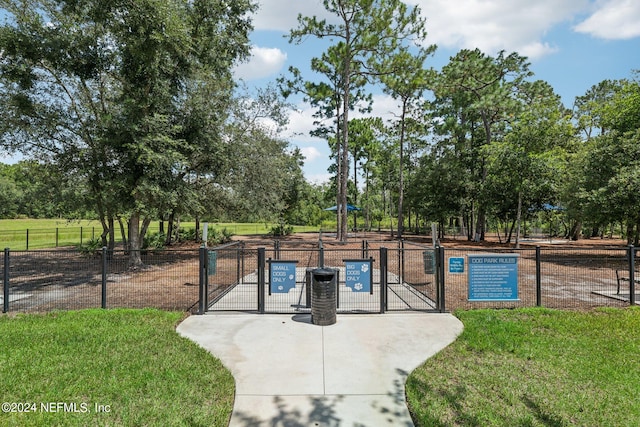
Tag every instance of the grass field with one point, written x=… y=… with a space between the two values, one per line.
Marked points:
x=115 y=367
x=533 y=367
x=21 y=234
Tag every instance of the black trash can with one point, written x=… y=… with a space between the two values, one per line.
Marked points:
x=307 y=288
x=323 y=296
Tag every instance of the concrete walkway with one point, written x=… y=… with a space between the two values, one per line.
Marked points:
x=289 y=372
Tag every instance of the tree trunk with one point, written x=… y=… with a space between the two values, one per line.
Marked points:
x=105 y=231
x=169 y=236
x=125 y=241
x=401 y=184
x=513 y=225
x=112 y=234
x=145 y=227
x=367 y=221
x=346 y=93
x=630 y=233
x=576 y=230
x=338 y=172
x=519 y=219
x=135 y=260
x=355 y=195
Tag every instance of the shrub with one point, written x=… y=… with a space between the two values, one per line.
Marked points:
x=186 y=234
x=281 y=230
x=91 y=247
x=218 y=237
x=154 y=241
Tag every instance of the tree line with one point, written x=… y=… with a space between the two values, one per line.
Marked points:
x=128 y=111
x=479 y=141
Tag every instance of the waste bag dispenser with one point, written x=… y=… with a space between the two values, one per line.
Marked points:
x=323 y=296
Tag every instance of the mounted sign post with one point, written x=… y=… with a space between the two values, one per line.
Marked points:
x=282 y=276
x=493 y=277
x=359 y=275
x=456 y=265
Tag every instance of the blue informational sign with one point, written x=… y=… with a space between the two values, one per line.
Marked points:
x=282 y=276
x=358 y=275
x=456 y=265
x=493 y=277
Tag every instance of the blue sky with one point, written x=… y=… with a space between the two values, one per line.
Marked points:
x=572 y=44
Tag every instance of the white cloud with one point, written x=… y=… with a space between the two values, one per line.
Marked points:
x=494 y=25
x=282 y=15
x=318 y=178
x=310 y=154
x=613 y=20
x=301 y=122
x=264 y=62
x=490 y=25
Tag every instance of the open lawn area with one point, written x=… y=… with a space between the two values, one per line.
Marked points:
x=523 y=367
x=50 y=233
x=108 y=367
x=533 y=367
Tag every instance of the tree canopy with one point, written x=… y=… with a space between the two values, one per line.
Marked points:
x=128 y=111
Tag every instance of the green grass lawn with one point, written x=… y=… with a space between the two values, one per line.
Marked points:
x=525 y=367
x=110 y=367
x=533 y=367
x=50 y=233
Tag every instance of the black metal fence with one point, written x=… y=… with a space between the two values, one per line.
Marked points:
x=236 y=277
x=46 y=280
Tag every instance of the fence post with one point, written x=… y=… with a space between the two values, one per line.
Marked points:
x=321 y=257
x=261 y=279
x=57 y=237
x=383 y=279
x=238 y=264
x=202 y=289
x=402 y=261
x=436 y=259
x=27 y=239
x=440 y=293
x=5 y=282
x=103 y=300
x=242 y=254
x=538 y=278
x=632 y=273
x=81 y=235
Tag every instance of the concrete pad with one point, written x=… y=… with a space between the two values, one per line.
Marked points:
x=15 y=296
x=266 y=354
x=390 y=345
x=290 y=372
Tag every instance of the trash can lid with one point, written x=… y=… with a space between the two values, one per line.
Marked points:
x=323 y=274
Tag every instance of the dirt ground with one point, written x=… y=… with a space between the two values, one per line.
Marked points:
x=574 y=274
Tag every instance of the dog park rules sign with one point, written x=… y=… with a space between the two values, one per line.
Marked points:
x=493 y=277
x=282 y=276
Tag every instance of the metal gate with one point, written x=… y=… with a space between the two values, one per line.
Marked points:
x=371 y=278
